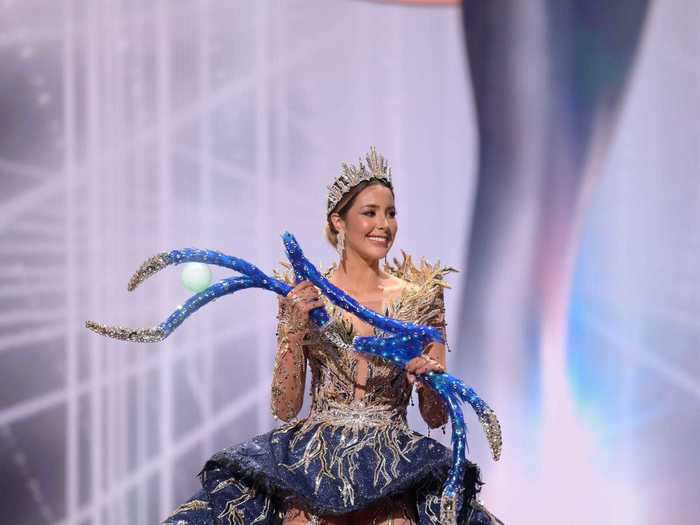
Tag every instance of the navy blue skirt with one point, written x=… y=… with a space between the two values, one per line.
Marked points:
x=327 y=470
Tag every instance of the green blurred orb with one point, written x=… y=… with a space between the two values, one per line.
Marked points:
x=196 y=276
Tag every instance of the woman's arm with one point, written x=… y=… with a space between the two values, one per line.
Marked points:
x=431 y=406
x=289 y=371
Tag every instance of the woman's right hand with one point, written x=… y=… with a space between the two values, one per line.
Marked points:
x=301 y=299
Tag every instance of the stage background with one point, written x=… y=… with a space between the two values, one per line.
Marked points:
x=551 y=153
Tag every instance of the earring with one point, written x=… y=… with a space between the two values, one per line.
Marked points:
x=340 y=244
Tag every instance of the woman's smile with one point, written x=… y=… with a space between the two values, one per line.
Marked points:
x=379 y=240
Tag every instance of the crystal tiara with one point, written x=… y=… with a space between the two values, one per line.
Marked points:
x=376 y=168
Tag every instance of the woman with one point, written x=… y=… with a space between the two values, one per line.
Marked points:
x=353 y=459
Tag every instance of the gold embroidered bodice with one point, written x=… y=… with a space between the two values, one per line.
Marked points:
x=334 y=369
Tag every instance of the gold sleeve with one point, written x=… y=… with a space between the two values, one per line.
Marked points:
x=430 y=404
x=289 y=370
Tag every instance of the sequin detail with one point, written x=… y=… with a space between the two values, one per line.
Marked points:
x=151 y=266
x=138 y=335
x=492 y=429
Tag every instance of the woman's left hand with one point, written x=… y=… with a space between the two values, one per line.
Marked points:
x=422 y=365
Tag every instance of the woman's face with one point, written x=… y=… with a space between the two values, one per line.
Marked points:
x=370 y=223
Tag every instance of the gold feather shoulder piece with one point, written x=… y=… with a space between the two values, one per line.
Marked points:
x=284 y=272
x=425 y=298
x=425 y=275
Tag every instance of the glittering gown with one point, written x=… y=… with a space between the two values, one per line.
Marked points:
x=348 y=454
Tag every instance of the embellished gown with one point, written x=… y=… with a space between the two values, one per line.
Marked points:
x=348 y=454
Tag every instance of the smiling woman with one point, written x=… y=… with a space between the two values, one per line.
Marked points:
x=353 y=458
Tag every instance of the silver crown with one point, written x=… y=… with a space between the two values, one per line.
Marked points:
x=377 y=168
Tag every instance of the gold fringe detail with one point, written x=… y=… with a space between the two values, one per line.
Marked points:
x=361 y=427
x=232 y=511
x=432 y=508
x=195 y=504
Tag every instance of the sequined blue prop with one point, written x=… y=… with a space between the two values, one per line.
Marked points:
x=407 y=342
